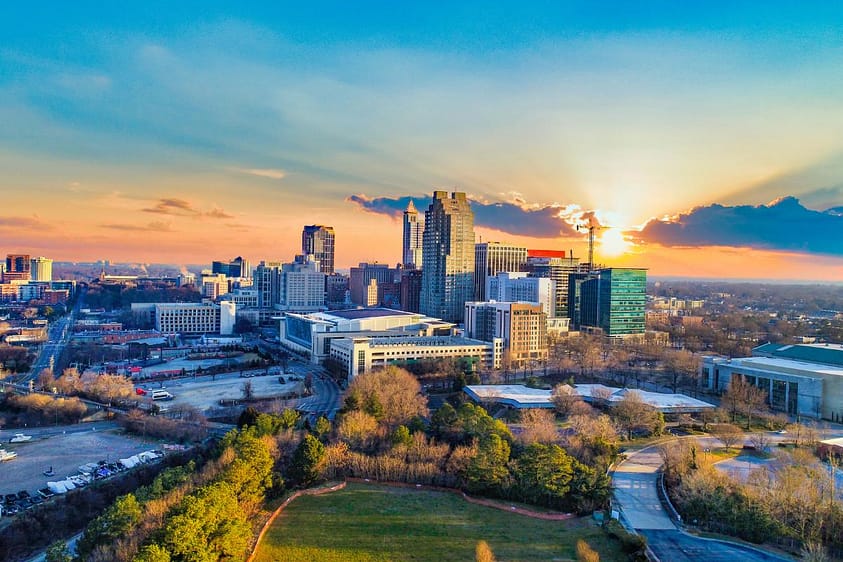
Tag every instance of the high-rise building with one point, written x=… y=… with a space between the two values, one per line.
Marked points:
x=554 y=265
x=411 y=283
x=386 y=285
x=17 y=267
x=491 y=258
x=267 y=281
x=413 y=237
x=41 y=269
x=521 y=325
x=514 y=287
x=318 y=240
x=336 y=290
x=302 y=285
x=236 y=268
x=448 y=257
x=611 y=300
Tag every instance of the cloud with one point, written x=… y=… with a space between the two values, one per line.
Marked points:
x=518 y=218
x=181 y=208
x=784 y=224
x=23 y=222
x=177 y=207
x=155 y=226
x=271 y=173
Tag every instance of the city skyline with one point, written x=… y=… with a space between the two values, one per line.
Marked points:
x=181 y=136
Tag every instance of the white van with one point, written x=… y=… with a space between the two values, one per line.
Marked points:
x=161 y=395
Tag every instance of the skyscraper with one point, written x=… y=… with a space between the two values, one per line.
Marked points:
x=318 y=240
x=448 y=257
x=41 y=269
x=611 y=299
x=491 y=258
x=413 y=236
x=554 y=265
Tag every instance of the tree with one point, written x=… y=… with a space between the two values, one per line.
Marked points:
x=487 y=470
x=248 y=392
x=395 y=390
x=58 y=552
x=538 y=426
x=483 y=552
x=249 y=417
x=153 y=553
x=632 y=413
x=543 y=474
x=357 y=429
x=307 y=461
x=564 y=398
x=728 y=434
x=401 y=436
x=741 y=397
x=321 y=428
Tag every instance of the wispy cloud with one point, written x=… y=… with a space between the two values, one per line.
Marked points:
x=23 y=222
x=155 y=226
x=784 y=224
x=270 y=173
x=182 y=208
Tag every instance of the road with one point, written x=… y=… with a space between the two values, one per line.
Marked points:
x=635 y=481
x=325 y=399
x=58 y=335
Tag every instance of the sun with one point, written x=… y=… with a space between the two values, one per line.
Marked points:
x=612 y=243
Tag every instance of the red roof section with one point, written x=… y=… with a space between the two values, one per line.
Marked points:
x=546 y=253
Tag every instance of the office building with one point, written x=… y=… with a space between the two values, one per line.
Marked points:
x=188 y=318
x=360 y=354
x=491 y=258
x=41 y=269
x=375 y=284
x=553 y=265
x=521 y=326
x=610 y=301
x=302 y=285
x=413 y=236
x=318 y=240
x=799 y=379
x=514 y=287
x=448 y=257
x=337 y=291
x=411 y=284
x=17 y=268
x=214 y=284
x=312 y=334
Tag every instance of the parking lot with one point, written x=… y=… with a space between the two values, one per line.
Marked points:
x=65 y=453
x=204 y=393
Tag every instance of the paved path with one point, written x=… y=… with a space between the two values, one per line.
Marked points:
x=635 y=481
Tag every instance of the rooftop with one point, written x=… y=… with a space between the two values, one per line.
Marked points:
x=827 y=353
x=520 y=396
x=360 y=313
x=778 y=363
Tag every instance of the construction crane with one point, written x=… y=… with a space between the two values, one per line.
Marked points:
x=591 y=227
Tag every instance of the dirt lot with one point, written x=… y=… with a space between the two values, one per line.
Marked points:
x=65 y=453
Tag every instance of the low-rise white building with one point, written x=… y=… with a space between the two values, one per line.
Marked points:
x=189 y=318
x=361 y=354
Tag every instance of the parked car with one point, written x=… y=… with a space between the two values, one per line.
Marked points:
x=20 y=438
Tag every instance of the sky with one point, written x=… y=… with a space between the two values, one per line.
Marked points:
x=699 y=138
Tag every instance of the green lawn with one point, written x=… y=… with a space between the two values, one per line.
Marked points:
x=368 y=523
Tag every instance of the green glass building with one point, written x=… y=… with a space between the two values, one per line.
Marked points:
x=612 y=299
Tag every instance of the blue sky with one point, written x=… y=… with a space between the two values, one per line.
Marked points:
x=262 y=117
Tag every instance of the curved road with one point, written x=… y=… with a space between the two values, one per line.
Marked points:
x=635 y=481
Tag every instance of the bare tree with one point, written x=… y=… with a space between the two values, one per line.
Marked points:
x=538 y=426
x=760 y=441
x=631 y=413
x=248 y=392
x=727 y=433
x=397 y=391
x=741 y=397
x=564 y=397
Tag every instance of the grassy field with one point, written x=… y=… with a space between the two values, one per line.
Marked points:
x=368 y=523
